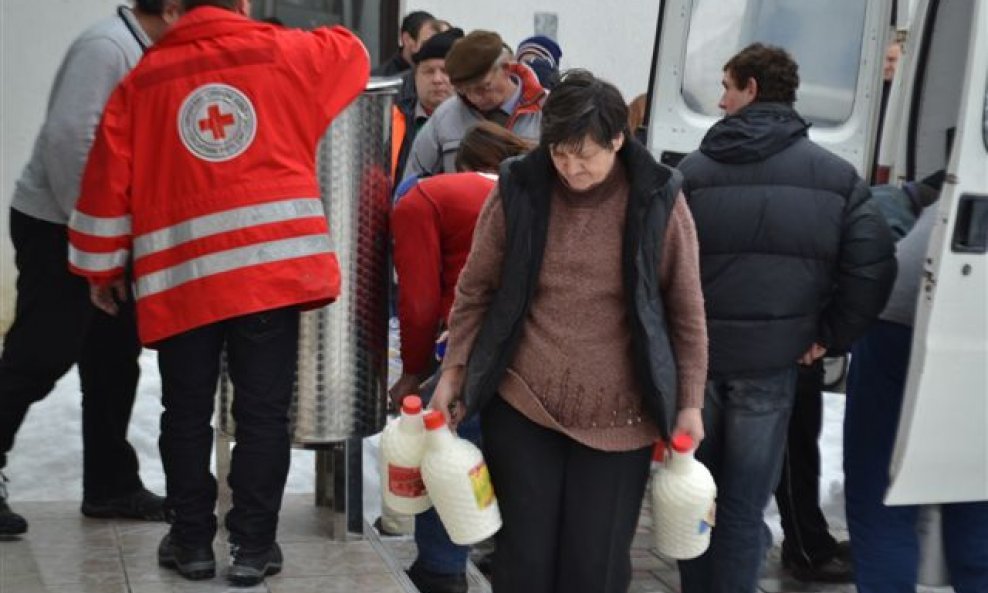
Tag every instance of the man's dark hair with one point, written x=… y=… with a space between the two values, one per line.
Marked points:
x=772 y=67
x=227 y=4
x=155 y=7
x=583 y=106
x=414 y=21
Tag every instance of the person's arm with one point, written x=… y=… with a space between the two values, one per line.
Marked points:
x=100 y=225
x=425 y=156
x=91 y=71
x=682 y=295
x=479 y=281
x=866 y=271
x=334 y=63
x=418 y=263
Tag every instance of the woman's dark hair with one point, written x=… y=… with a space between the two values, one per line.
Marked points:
x=772 y=67
x=486 y=145
x=583 y=106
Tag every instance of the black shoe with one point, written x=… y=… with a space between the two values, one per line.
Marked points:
x=11 y=524
x=837 y=569
x=139 y=504
x=249 y=567
x=433 y=582
x=193 y=563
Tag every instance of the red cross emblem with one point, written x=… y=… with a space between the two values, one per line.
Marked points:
x=216 y=122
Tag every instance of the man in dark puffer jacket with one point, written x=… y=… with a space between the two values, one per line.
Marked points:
x=795 y=260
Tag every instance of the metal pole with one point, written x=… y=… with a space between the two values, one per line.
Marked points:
x=932 y=563
x=339 y=486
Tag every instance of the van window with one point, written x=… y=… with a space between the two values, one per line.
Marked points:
x=721 y=28
x=938 y=89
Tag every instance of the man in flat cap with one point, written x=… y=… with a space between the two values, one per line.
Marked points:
x=422 y=91
x=489 y=85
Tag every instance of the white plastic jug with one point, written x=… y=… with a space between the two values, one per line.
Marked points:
x=459 y=484
x=402 y=448
x=683 y=508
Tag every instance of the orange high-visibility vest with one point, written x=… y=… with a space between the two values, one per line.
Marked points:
x=398 y=130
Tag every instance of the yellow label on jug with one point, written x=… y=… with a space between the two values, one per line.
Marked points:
x=483 y=490
x=711 y=518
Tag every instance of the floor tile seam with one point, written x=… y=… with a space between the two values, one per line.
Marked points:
x=120 y=555
x=397 y=571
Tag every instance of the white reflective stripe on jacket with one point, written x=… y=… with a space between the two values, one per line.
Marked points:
x=232 y=259
x=228 y=220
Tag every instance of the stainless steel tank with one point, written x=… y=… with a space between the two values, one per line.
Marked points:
x=341 y=380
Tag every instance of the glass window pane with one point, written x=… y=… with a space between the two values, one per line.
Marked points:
x=824 y=38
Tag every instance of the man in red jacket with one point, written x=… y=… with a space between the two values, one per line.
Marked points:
x=201 y=185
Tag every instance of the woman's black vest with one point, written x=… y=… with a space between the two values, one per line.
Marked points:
x=525 y=185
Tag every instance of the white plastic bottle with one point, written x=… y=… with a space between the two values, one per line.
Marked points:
x=402 y=448
x=683 y=506
x=459 y=484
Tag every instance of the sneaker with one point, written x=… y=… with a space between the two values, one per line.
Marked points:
x=193 y=563
x=249 y=567
x=139 y=504
x=11 y=524
x=427 y=581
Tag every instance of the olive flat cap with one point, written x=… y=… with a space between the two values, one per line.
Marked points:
x=473 y=56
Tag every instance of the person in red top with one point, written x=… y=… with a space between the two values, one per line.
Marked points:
x=201 y=184
x=432 y=228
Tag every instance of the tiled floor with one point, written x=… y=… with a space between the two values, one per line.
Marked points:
x=67 y=553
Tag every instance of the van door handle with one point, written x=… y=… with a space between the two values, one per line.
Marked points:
x=971 y=226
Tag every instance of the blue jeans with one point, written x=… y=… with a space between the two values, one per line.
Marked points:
x=884 y=543
x=746 y=422
x=436 y=552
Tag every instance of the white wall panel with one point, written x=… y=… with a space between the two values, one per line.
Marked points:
x=612 y=39
x=34 y=35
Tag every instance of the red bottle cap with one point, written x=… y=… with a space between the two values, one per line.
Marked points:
x=682 y=443
x=434 y=420
x=659 y=451
x=411 y=404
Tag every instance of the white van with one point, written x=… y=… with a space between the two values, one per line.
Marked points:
x=937 y=118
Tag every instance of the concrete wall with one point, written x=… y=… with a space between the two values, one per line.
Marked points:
x=34 y=36
x=613 y=39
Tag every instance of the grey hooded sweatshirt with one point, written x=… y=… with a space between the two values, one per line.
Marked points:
x=95 y=62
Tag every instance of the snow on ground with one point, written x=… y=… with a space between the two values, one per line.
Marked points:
x=46 y=462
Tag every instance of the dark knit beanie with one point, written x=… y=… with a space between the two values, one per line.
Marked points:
x=539 y=46
x=437 y=46
x=473 y=56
